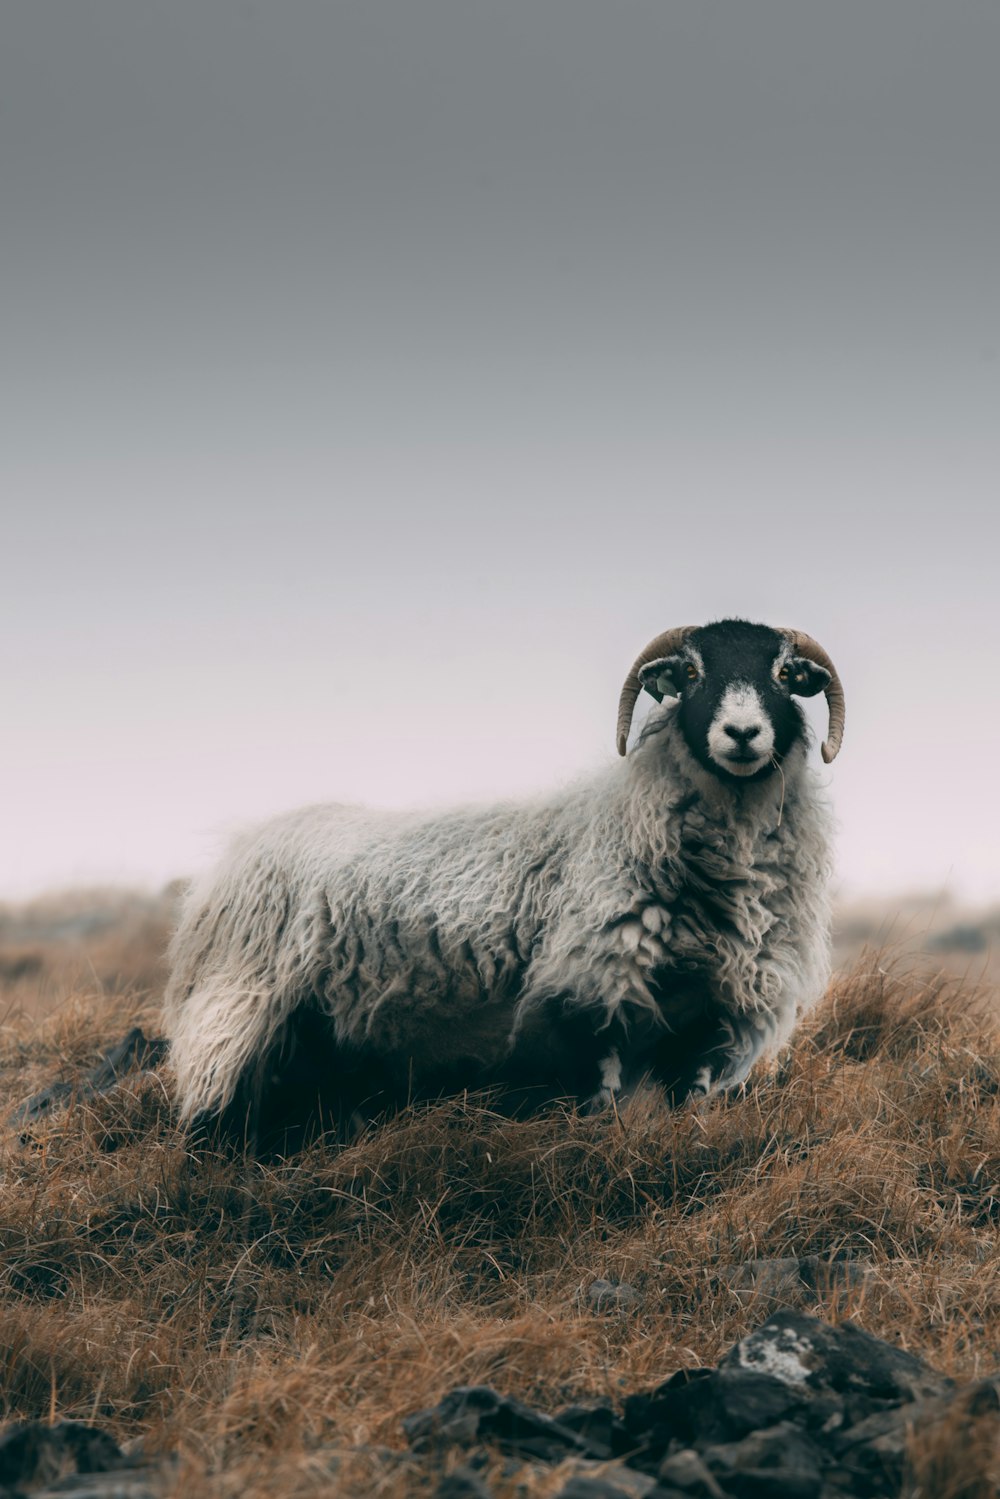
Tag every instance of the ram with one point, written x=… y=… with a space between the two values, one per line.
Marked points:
x=665 y=919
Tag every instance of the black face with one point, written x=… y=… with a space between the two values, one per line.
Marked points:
x=735 y=682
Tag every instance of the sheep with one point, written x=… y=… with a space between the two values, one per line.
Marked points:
x=665 y=919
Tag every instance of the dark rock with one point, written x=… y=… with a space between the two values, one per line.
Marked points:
x=701 y=1406
x=778 y=1282
x=809 y=1356
x=598 y=1425
x=744 y=1403
x=797 y=1409
x=464 y=1483
x=686 y=1471
x=773 y=1483
x=781 y=1461
x=32 y=1453
x=613 y=1296
x=129 y=1483
x=674 y=1410
x=611 y=1483
x=872 y=1454
x=982 y=1398
x=134 y=1052
x=961 y=938
x=20 y=967
x=131 y=1054
x=71 y=1458
x=475 y=1413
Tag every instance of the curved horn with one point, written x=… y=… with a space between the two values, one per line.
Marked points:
x=664 y=645
x=805 y=645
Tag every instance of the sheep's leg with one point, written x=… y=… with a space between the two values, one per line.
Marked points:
x=610 y=1091
x=573 y=1048
x=727 y=1064
x=621 y=1058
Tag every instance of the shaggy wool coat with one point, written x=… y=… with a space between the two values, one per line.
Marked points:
x=446 y=944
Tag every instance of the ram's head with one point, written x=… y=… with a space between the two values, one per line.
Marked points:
x=735 y=683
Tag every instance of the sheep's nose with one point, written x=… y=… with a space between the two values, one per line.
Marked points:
x=742 y=736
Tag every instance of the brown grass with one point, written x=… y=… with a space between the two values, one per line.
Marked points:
x=273 y=1323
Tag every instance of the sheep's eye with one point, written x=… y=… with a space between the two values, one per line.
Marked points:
x=783 y=674
x=692 y=672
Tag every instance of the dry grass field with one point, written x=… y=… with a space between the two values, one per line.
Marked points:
x=271 y=1325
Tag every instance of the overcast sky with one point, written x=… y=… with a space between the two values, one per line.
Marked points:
x=376 y=378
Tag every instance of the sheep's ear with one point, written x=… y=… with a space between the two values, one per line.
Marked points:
x=660 y=678
x=805 y=678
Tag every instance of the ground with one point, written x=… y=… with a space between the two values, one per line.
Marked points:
x=271 y=1325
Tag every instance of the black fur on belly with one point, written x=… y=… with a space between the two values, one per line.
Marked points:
x=305 y=1086
x=308 y=1084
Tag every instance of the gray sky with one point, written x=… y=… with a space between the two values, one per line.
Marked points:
x=376 y=378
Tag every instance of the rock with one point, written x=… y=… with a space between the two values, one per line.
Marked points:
x=611 y=1482
x=780 y=1461
x=131 y=1483
x=76 y=1460
x=773 y=1483
x=464 y=1483
x=612 y=1296
x=771 y=1280
x=33 y=1454
x=22 y=965
x=671 y=1411
x=809 y=1356
x=475 y=1413
x=706 y=1405
x=686 y=1471
x=872 y=1454
x=744 y=1403
x=777 y=1282
x=982 y=1398
x=598 y=1425
x=962 y=938
x=131 y=1054
x=797 y=1409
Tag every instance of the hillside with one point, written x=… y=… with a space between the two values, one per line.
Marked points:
x=271 y=1325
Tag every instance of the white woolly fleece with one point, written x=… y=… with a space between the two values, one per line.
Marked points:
x=443 y=937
